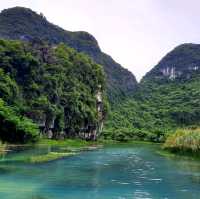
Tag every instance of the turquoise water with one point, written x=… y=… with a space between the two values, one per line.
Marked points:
x=120 y=172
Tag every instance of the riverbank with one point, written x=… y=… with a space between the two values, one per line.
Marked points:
x=72 y=146
x=57 y=149
x=80 y=145
x=163 y=150
x=77 y=143
x=184 y=142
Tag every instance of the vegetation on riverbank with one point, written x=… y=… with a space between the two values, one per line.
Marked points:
x=46 y=156
x=55 y=87
x=2 y=147
x=156 y=110
x=50 y=150
x=15 y=128
x=184 y=141
x=71 y=143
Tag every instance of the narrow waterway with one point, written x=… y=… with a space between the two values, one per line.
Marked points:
x=117 y=172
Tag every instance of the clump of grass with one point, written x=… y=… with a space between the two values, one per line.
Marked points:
x=48 y=157
x=2 y=148
x=184 y=141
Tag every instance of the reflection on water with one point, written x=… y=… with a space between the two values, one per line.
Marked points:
x=122 y=172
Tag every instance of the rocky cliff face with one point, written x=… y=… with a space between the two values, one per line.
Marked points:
x=181 y=63
x=24 y=24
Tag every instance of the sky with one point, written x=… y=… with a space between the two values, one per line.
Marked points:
x=136 y=33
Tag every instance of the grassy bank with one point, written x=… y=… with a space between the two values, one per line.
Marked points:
x=184 y=142
x=57 y=149
x=75 y=143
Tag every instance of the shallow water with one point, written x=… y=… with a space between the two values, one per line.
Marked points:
x=120 y=172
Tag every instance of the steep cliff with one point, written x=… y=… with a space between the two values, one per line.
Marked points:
x=59 y=89
x=181 y=63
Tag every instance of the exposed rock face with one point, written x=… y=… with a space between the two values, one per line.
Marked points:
x=24 y=24
x=169 y=72
x=92 y=131
x=182 y=62
x=101 y=115
x=89 y=132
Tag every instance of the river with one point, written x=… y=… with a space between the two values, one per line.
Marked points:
x=116 y=172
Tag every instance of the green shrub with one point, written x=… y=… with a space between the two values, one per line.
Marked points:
x=183 y=141
x=14 y=128
x=124 y=134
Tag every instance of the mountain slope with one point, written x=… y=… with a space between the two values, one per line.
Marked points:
x=24 y=24
x=168 y=98
x=59 y=89
x=181 y=63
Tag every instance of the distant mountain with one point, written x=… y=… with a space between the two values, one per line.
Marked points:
x=25 y=24
x=168 y=98
x=181 y=63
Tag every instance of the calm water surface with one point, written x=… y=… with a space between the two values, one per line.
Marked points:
x=120 y=172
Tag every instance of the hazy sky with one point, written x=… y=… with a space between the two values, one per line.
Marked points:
x=136 y=33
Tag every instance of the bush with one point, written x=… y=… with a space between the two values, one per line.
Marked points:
x=124 y=134
x=184 y=141
x=14 y=128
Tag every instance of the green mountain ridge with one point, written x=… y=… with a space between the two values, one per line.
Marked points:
x=63 y=90
x=181 y=63
x=25 y=24
x=168 y=98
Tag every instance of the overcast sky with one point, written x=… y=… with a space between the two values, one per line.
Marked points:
x=136 y=33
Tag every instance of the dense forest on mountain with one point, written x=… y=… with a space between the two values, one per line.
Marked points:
x=55 y=87
x=46 y=82
x=168 y=98
x=75 y=124
x=24 y=24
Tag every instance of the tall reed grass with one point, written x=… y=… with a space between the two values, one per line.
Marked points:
x=184 y=141
x=2 y=147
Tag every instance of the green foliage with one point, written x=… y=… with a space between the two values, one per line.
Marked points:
x=158 y=109
x=167 y=98
x=184 y=141
x=29 y=25
x=69 y=143
x=124 y=134
x=48 y=157
x=54 y=86
x=2 y=148
x=8 y=88
x=15 y=128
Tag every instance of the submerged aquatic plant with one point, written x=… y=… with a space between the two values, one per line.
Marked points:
x=49 y=157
